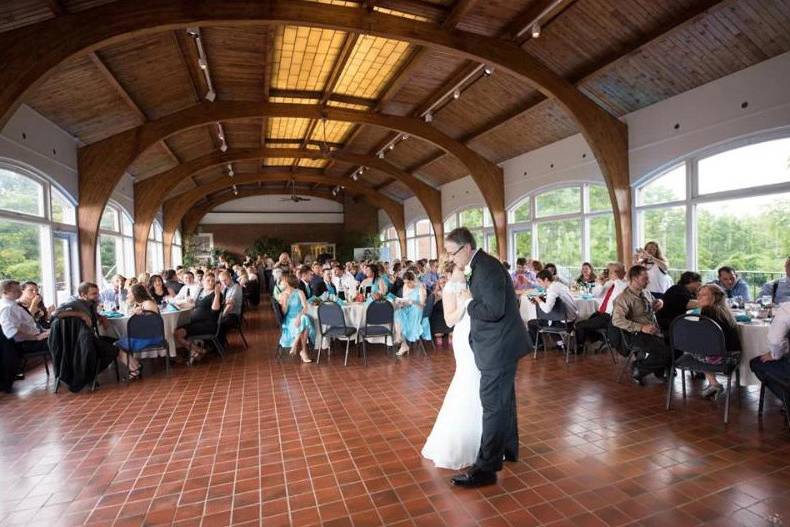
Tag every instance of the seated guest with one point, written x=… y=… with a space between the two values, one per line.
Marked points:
x=114 y=296
x=32 y=301
x=358 y=271
x=305 y=277
x=606 y=291
x=85 y=307
x=252 y=273
x=779 y=289
x=409 y=317
x=241 y=277
x=144 y=278
x=773 y=367
x=140 y=302
x=587 y=277
x=635 y=313
x=234 y=297
x=521 y=276
x=732 y=285
x=171 y=283
x=297 y=327
x=199 y=273
x=374 y=281
x=190 y=291
x=325 y=285
x=439 y=327
x=157 y=289
x=431 y=275
x=19 y=327
x=316 y=277
x=204 y=317
x=679 y=298
x=712 y=301
x=553 y=269
x=558 y=305
x=279 y=286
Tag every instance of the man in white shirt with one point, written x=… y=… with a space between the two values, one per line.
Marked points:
x=605 y=291
x=343 y=280
x=190 y=291
x=558 y=307
x=115 y=295
x=18 y=327
x=773 y=367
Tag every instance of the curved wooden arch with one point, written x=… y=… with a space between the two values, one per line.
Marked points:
x=57 y=39
x=102 y=164
x=175 y=208
x=149 y=193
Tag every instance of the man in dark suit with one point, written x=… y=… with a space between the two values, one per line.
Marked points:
x=305 y=275
x=498 y=338
x=324 y=285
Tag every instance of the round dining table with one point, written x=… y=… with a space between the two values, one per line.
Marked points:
x=354 y=313
x=172 y=320
x=754 y=342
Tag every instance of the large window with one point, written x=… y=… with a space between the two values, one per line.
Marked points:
x=115 y=252
x=176 y=250
x=37 y=233
x=155 y=252
x=728 y=207
x=566 y=226
x=391 y=244
x=478 y=221
x=420 y=241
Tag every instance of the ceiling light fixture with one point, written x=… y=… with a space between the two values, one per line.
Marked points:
x=355 y=176
x=536 y=30
x=211 y=95
x=405 y=136
x=203 y=64
x=381 y=155
x=457 y=94
x=488 y=71
x=223 y=147
x=428 y=117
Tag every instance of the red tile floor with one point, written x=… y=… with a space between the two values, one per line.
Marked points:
x=248 y=441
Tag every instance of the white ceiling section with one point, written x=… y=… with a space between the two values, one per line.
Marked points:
x=280 y=218
x=275 y=204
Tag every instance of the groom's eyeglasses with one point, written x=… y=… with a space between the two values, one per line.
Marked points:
x=461 y=248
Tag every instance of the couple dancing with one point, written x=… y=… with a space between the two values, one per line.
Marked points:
x=476 y=426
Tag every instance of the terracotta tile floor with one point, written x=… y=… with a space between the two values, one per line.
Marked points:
x=248 y=441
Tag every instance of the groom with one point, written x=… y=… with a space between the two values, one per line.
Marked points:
x=499 y=339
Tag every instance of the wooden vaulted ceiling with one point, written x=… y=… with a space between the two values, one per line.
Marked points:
x=623 y=55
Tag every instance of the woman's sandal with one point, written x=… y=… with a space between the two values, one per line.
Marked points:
x=135 y=373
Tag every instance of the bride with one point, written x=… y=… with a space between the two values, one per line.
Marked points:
x=455 y=438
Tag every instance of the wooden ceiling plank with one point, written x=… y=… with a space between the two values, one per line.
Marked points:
x=57 y=7
x=431 y=11
x=267 y=76
x=122 y=92
x=459 y=9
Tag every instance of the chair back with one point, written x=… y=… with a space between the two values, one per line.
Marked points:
x=278 y=313
x=430 y=302
x=147 y=325
x=557 y=314
x=330 y=315
x=380 y=313
x=698 y=335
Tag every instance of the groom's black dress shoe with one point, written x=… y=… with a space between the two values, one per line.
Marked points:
x=510 y=458
x=474 y=479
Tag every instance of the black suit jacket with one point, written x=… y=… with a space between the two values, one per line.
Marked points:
x=498 y=334
x=304 y=288
x=322 y=287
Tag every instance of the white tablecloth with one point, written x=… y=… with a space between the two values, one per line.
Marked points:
x=754 y=342
x=354 y=313
x=117 y=329
x=586 y=307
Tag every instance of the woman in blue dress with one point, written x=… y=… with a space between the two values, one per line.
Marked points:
x=297 y=327
x=373 y=281
x=409 y=317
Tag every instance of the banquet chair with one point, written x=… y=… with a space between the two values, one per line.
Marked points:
x=332 y=325
x=430 y=302
x=699 y=336
x=604 y=334
x=379 y=322
x=214 y=338
x=780 y=384
x=237 y=324
x=148 y=325
x=630 y=350
x=278 y=318
x=565 y=331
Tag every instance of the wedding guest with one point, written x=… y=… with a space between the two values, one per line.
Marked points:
x=733 y=286
x=144 y=278
x=374 y=281
x=773 y=367
x=141 y=302
x=558 y=304
x=657 y=269
x=305 y=276
x=587 y=277
x=439 y=327
x=297 y=327
x=678 y=299
x=408 y=319
x=712 y=301
x=779 y=289
x=635 y=312
x=316 y=276
x=233 y=295
x=557 y=277
x=431 y=275
x=607 y=292
x=521 y=280
x=32 y=301
x=536 y=266
x=157 y=289
x=279 y=286
x=359 y=271
x=204 y=317
x=325 y=285
x=190 y=291
x=115 y=294
x=19 y=327
x=171 y=283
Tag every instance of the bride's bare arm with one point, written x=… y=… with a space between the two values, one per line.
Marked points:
x=449 y=307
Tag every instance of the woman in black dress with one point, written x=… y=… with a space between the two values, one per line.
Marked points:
x=208 y=304
x=157 y=289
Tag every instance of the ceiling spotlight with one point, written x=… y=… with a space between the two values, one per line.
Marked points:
x=230 y=167
x=428 y=117
x=381 y=155
x=231 y=173
x=235 y=191
x=488 y=71
x=355 y=176
x=211 y=95
x=391 y=147
x=193 y=32
x=223 y=147
x=457 y=94
x=404 y=137
x=334 y=191
x=536 y=30
x=202 y=63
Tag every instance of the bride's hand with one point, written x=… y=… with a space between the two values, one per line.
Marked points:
x=464 y=295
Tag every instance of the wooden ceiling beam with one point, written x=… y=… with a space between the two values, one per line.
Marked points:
x=459 y=10
x=316 y=95
x=57 y=7
x=120 y=90
x=429 y=10
x=267 y=77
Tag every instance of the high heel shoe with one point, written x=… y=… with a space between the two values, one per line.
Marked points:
x=135 y=373
x=404 y=349
x=305 y=357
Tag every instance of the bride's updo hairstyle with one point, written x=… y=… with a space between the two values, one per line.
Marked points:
x=449 y=267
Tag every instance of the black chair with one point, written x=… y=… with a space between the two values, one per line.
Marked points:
x=70 y=368
x=332 y=325
x=278 y=318
x=630 y=349
x=430 y=302
x=561 y=328
x=781 y=385
x=214 y=338
x=9 y=362
x=147 y=325
x=604 y=334
x=379 y=322
x=699 y=336
x=237 y=323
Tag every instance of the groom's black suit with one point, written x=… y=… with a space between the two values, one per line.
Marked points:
x=498 y=338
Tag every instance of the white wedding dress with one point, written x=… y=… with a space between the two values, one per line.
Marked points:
x=455 y=438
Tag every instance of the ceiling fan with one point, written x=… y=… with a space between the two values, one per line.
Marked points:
x=293 y=197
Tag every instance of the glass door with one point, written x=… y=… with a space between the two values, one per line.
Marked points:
x=64 y=254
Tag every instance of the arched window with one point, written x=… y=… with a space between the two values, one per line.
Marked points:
x=565 y=225
x=729 y=206
x=478 y=221
x=115 y=253
x=420 y=240
x=37 y=233
x=390 y=244
x=176 y=250
x=155 y=251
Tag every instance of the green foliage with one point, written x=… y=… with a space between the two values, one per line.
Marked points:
x=522 y=212
x=603 y=243
x=19 y=193
x=20 y=255
x=265 y=245
x=189 y=252
x=471 y=218
x=599 y=198
x=108 y=255
x=560 y=201
x=354 y=240
x=667 y=227
x=523 y=244
x=560 y=242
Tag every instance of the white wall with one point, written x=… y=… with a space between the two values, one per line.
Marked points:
x=274 y=203
x=708 y=116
